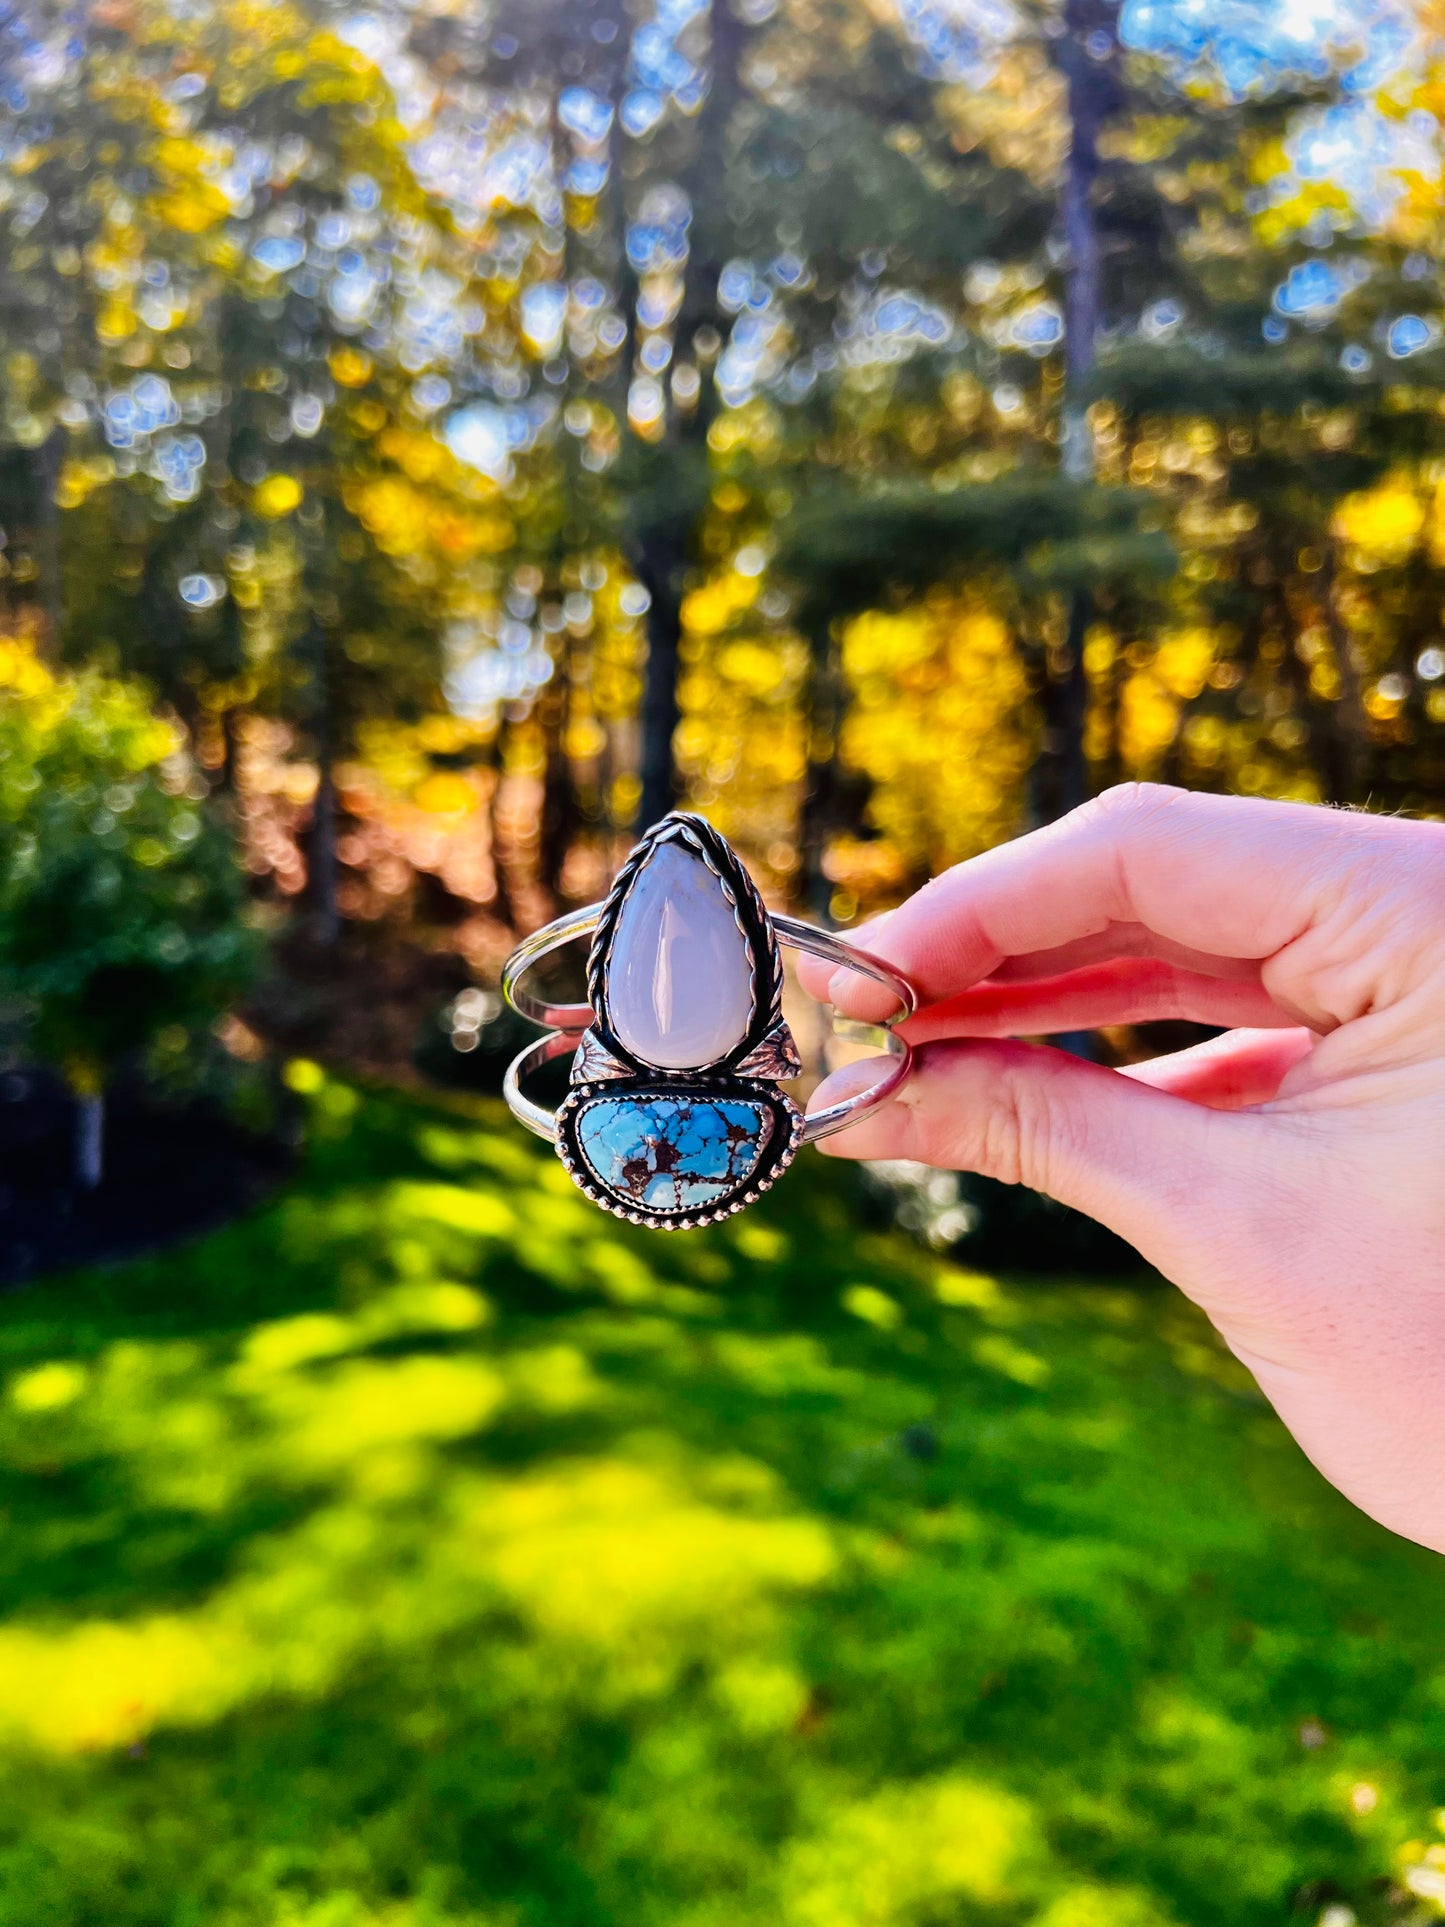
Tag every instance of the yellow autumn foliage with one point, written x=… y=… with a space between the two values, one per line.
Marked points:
x=1153 y=694
x=349 y=367
x=115 y=321
x=420 y=457
x=742 y=742
x=81 y=477
x=445 y=794
x=21 y=670
x=940 y=722
x=1383 y=523
x=278 y=495
x=397 y=756
x=404 y=519
x=192 y=209
x=708 y=610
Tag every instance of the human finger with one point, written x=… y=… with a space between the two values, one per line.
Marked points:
x=1227 y=876
x=816 y=973
x=1141 y=1161
x=1227 y=1073
x=1116 y=943
x=1127 y=992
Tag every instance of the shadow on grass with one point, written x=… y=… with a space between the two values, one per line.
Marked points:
x=430 y=1550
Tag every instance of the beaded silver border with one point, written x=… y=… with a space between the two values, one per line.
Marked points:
x=779 y=1155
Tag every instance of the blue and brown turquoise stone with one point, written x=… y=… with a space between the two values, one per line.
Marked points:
x=672 y=1154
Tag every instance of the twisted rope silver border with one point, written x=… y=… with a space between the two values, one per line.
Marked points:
x=749 y=913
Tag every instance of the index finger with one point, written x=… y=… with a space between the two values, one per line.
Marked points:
x=1229 y=876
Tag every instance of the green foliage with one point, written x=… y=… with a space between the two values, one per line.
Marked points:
x=832 y=175
x=428 y=1551
x=848 y=553
x=121 y=908
x=663 y=489
x=1234 y=384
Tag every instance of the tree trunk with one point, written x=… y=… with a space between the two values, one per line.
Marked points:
x=1346 y=746
x=560 y=814
x=45 y=466
x=820 y=782
x=1059 y=781
x=502 y=905
x=663 y=553
x=660 y=565
x=325 y=916
x=1088 y=96
x=89 y=1167
x=228 y=723
x=321 y=844
x=1060 y=778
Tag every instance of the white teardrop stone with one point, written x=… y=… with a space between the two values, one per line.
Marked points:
x=679 y=973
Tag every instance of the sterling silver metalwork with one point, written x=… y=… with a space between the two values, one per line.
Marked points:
x=673 y=1148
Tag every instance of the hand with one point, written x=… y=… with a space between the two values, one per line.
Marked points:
x=1290 y=1175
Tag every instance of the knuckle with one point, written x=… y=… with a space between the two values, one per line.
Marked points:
x=1124 y=804
x=1002 y=1133
x=1043 y=1128
x=1018 y=1131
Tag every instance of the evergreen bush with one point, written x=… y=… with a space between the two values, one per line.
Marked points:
x=123 y=925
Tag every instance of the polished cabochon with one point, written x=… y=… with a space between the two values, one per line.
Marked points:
x=680 y=972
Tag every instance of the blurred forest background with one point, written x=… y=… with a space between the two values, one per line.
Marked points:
x=435 y=438
x=878 y=423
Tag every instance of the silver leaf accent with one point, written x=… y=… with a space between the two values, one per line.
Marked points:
x=594 y=1063
x=775 y=1057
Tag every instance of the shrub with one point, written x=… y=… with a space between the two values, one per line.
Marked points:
x=123 y=923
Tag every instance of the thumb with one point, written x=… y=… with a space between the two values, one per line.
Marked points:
x=1141 y=1161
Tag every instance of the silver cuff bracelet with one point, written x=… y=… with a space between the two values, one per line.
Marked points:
x=674 y=1117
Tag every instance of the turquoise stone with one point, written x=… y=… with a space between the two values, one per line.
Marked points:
x=672 y=1154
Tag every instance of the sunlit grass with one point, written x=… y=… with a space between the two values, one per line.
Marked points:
x=430 y=1551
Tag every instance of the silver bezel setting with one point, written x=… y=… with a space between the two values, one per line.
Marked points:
x=767 y=1037
x=778 y=1154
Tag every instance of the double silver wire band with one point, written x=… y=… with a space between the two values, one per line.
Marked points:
x=566 y=1022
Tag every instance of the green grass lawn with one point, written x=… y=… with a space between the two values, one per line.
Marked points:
x=432 y=1551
